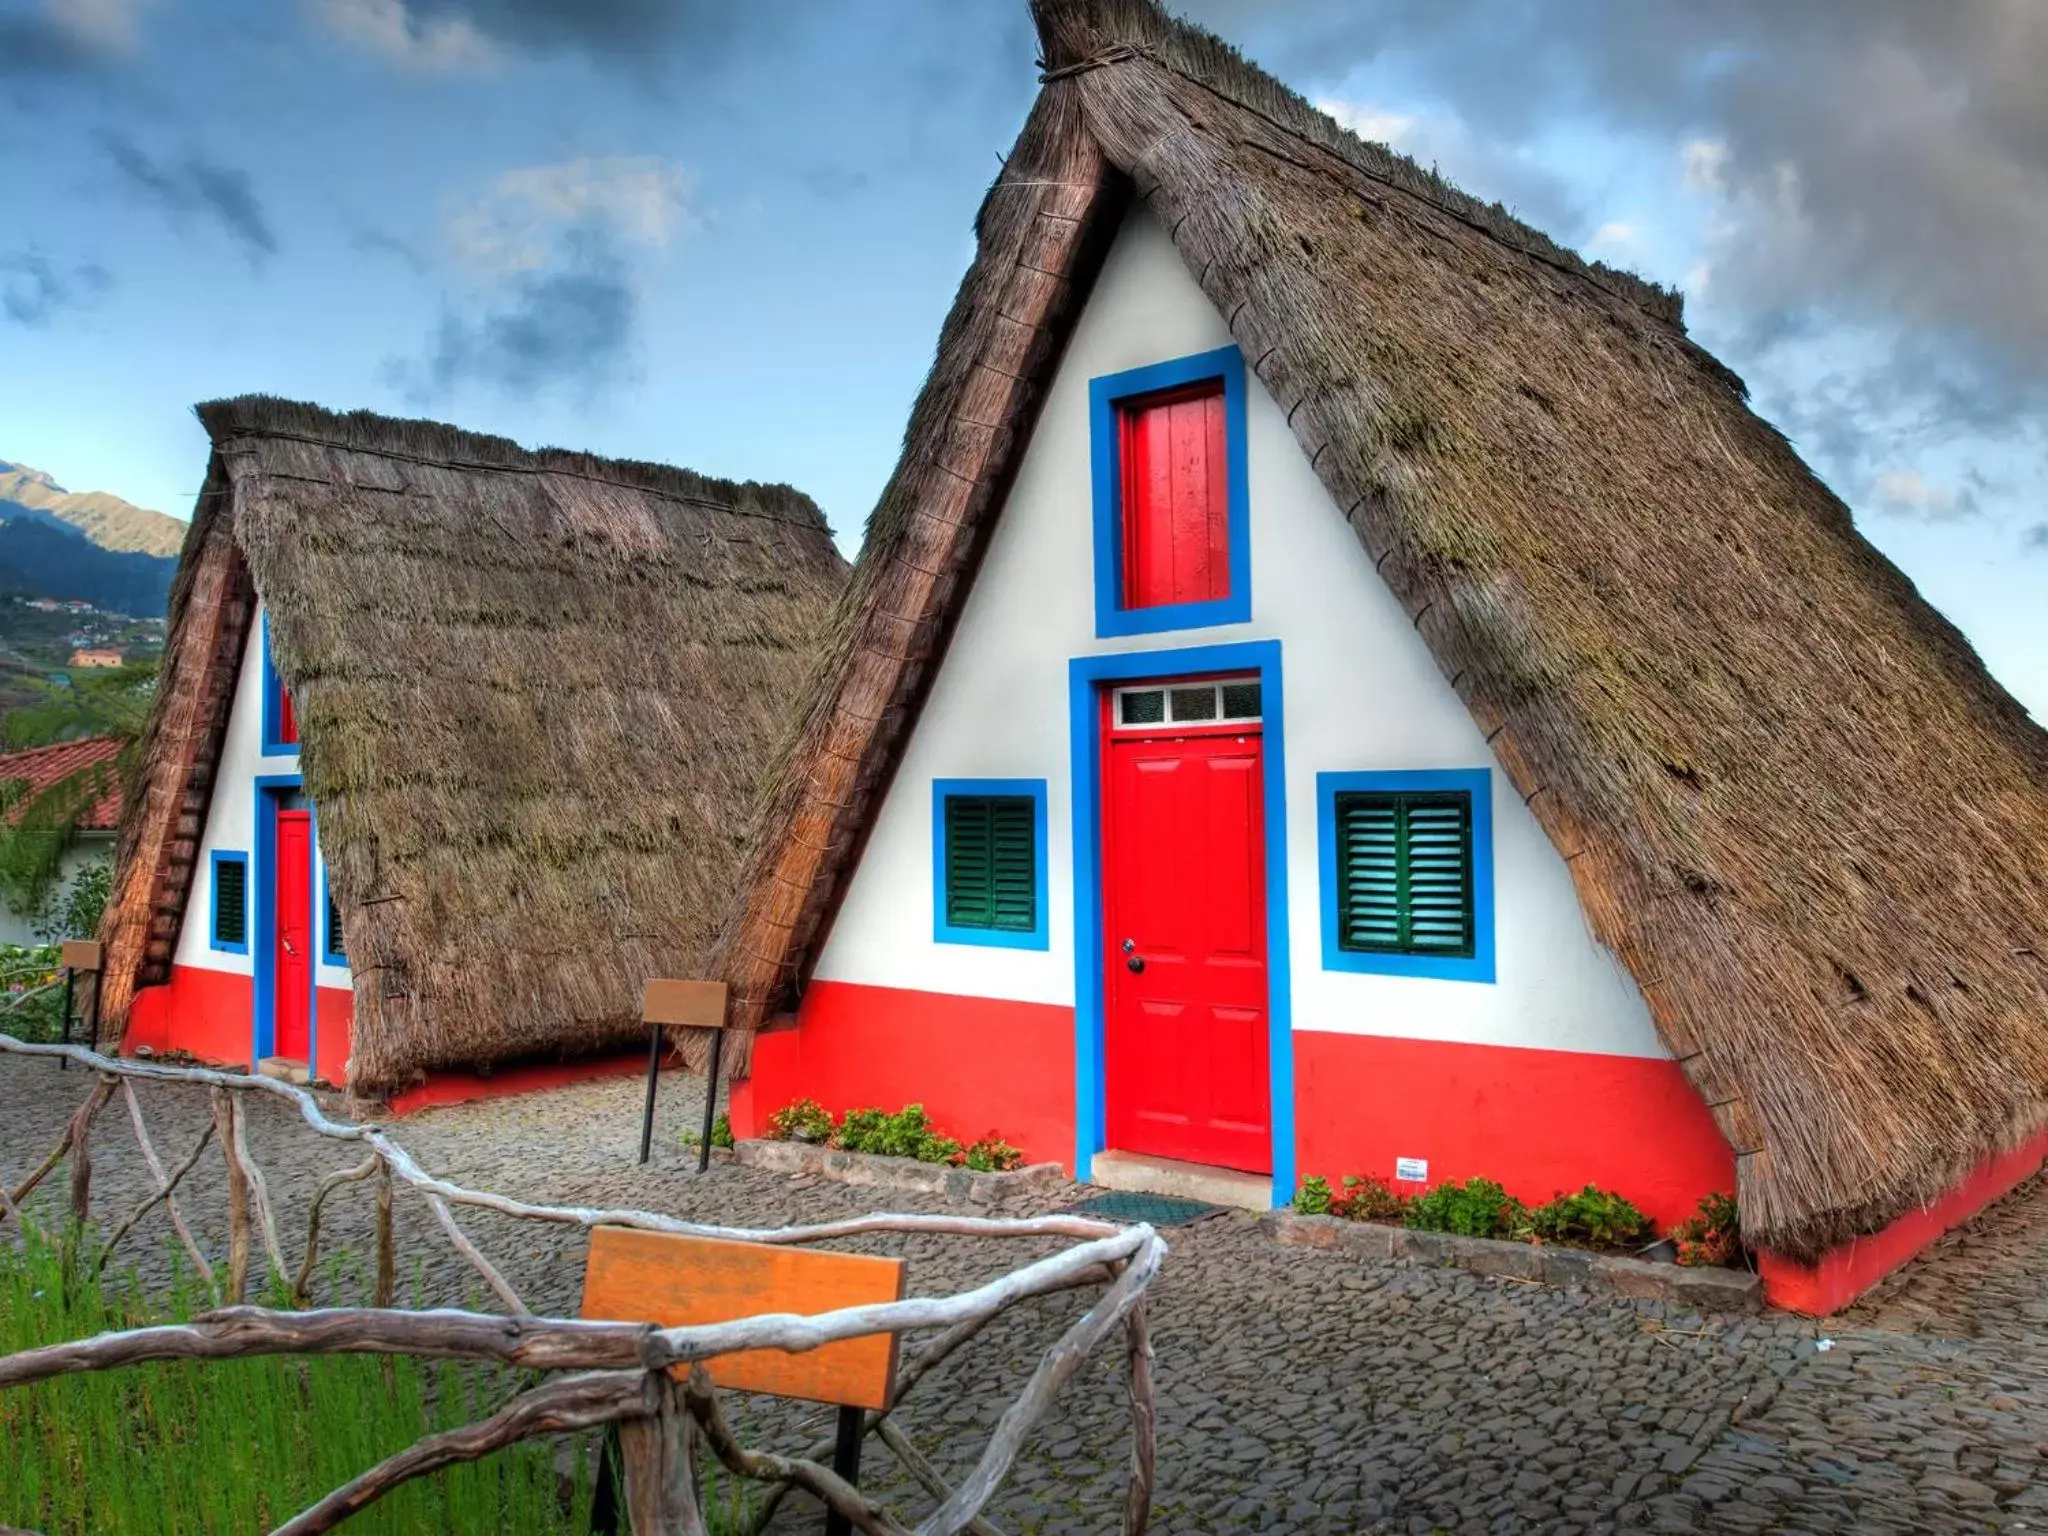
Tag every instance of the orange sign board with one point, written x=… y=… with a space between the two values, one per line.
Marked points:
x=675 y=1281
x=688 y=1004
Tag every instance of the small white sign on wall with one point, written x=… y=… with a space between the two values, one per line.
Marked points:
x=1412 y=1170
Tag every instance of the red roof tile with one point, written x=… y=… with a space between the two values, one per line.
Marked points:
x=43 y=766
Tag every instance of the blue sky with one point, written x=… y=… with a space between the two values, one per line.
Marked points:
x=724 y=235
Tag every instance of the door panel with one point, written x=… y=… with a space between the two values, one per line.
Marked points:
x=292 y=967
x=1186 y=1048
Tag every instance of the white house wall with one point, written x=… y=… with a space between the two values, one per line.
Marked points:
x=1361 y=693
x=231 y=825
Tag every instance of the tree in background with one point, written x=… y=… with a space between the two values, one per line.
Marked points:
x=38 y=826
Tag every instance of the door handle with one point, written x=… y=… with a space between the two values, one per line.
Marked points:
x=1135 y=964
x=288 y=948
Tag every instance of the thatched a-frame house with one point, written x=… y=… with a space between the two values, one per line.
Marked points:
x=453 y=743
x=1633 y=819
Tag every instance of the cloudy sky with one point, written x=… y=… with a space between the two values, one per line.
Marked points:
x=723 y=234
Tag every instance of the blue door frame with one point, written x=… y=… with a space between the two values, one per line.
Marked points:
x=270 y=787
x=1085 y=677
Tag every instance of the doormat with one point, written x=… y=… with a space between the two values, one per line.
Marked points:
x=1154 y=1210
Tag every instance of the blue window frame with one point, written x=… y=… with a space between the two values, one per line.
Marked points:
x=274 y=744
x=228 y=922
x=978 y=863
x=1106 y=397
x=330 y=923
x=1407 y=872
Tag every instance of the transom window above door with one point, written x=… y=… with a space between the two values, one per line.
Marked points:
x=1170 y=495
x=1222 y=701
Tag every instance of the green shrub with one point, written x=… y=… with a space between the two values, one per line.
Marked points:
x=1592 y=1218
x=721 y=1133
x=1712 y=1235
x=1369 y=1199
x=992 y=1154
x=1476 y=1208
x=1313 y=1198
x=802 y=1120
x=907 y=1133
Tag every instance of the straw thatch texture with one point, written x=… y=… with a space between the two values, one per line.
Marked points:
x=535 y=694
x=1793 y=802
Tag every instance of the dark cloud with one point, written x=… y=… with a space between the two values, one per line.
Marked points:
x=2035 y=539
x=569 y=327
x=32 y=46
x=197 y=187
x=33 y=289
x=1874 y=165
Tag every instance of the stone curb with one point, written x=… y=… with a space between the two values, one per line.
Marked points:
x=1713 y=1290
x=869 y=1169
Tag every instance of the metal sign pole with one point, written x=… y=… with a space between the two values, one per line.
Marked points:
x=710 y=1102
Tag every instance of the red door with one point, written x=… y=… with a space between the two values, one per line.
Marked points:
x=292 y=970
x=1184 y=859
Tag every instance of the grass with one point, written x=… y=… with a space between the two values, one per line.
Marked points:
x=239 y=1445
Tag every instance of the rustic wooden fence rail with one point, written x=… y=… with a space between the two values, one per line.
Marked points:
x=650 y=1381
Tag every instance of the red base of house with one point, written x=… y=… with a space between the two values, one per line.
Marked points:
x=977 y=1064
x=208 y=1014
x=1846 y=1272
x=1539 y=1122
x=445 y=1088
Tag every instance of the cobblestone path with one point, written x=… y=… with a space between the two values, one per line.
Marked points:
x=1300 y=1390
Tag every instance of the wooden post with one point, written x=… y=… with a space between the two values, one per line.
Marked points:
x=666 y=1005
x=658 y=1456
x=80 y=955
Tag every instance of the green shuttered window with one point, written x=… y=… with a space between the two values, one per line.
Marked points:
x=231 y=902
x=991 y=862
x=1404 y=874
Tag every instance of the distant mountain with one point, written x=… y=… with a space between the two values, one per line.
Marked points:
x=108 y=521
x=44 y=556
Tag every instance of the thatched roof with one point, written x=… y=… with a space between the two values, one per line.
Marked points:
x=1792 y=800
x=535 y=695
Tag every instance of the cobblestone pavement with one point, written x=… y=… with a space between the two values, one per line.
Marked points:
x=1299 y=1390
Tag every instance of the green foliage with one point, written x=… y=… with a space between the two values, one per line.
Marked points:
x=178 y=1447
x=31 y=1000
x=76 y=912
x=1313 y=1198
x=1369 y=1199
x=992 y=1154
x=40 y=826
x=1712 y=1235
x=907 y=1133
x=802 y=1120
x=1476 y=1208
x=1592 y=1218
x=721 y=1134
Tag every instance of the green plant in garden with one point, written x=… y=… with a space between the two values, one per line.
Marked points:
x=991 y=1154
x=178 y=1447
x=801 y=1120
x=1712 y=1235
x=31 y=999
x=1476 y=1208
x=721 y=1133
x=1592 y=1218
x=1313 y=1198
x=907 y=1133
x=1368 y=1199
x=75 y=912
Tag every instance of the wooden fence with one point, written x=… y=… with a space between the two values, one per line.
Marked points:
x=650 y=1381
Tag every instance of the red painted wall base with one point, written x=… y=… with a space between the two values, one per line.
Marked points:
x=977 y=1064
x=1844 y=1273
x=444 y=1088
x=1539 y=1122
x=210 y=1015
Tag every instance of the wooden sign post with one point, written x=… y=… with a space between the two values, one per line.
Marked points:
x=80 y=955
x=674 y=1282
x=668 y=1005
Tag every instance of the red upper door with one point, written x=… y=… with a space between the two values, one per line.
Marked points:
x=1184 y=860
x=1176 y=498
x=292 y=974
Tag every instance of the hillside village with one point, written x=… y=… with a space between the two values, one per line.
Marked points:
x=1367 y=905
